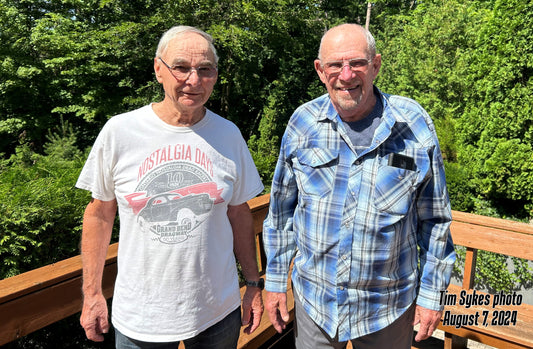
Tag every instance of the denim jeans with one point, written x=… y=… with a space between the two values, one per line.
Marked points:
x=222 y=335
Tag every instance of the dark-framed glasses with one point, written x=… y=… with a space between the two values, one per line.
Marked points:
x=355 y=64
x=182 y=71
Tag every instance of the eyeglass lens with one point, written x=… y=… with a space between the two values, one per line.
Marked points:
x=183 y=71
x=356 y=64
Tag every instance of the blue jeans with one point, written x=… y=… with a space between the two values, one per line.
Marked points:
x=222 y=335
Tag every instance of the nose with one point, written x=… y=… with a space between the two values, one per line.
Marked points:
x=193 y=79
x=346 y=72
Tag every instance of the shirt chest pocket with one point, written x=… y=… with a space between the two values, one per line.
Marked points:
x=395 y=187
x=315 y=170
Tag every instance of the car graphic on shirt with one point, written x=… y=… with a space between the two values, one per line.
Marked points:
x=168 y=206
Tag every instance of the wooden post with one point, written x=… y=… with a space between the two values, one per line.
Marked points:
x=368 y=10
x=470 y=268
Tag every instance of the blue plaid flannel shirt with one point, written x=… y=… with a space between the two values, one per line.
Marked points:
x=367 y=238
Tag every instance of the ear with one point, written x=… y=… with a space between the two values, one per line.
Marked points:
x=376 y=65
x=320 y=71
x=157 y=70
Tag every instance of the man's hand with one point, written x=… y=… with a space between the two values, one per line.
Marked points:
x=252 y=309
x=428 y=319
x=276 y=307
x=94 y=317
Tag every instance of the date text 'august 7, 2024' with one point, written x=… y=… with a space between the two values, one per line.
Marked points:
x=485 y=317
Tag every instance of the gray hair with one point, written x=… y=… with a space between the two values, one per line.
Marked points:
x=180 y=30
x=371 y=43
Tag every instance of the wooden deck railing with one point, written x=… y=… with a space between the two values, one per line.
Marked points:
x=33 y=300
x=506 y=326
x=38 y=298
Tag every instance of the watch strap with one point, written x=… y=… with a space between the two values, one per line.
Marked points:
x=260 y=283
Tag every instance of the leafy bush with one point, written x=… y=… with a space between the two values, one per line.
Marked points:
x=459 y=187
x=40 y=210
x=496 y=272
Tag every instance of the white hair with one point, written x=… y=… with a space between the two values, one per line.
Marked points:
x=180 y=30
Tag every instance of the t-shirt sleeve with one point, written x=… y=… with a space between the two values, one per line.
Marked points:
x=96 y=175
x=249 y=183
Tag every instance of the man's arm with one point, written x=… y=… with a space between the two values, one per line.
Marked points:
x=279 y=237
x=97 y=228
x=241 y=221
x=437 y=255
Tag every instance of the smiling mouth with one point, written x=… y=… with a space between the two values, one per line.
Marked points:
x=347 y=89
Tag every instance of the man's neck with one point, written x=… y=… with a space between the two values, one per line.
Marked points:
x=178 y=118
x=359 y=113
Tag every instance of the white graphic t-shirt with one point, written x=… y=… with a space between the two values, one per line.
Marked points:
x=176 y=269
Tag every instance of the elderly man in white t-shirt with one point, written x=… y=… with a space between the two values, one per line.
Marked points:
x=180 y=176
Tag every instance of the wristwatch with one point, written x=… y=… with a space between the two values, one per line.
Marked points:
x=260 y=283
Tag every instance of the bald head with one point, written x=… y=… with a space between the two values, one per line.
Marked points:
x=332 y=36
x=348 y=65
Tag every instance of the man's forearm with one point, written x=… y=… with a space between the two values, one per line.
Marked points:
x=241 y=221
x=97 y=228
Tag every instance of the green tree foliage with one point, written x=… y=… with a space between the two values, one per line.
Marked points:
x=495 y=132
x=420 y=53
x=470 y=65
x=40 y=212
x=83 y=61
x=496 y=272
x=266 y=49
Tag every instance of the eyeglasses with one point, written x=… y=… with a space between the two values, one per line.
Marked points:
x=355 y=64
x=183 y=71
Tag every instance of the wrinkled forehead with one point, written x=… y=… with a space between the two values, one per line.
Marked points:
x=341 y=45
x=190 y=47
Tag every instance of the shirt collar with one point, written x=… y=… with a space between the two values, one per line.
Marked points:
x=327 y=111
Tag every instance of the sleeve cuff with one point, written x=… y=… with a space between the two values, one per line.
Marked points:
x=276 y=283
x=429 y=299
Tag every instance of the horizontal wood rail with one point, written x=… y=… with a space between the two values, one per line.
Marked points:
x=501 y=326
x=38 y=298
x=33 y=300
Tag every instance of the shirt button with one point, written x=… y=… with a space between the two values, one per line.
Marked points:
x=358 y=162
